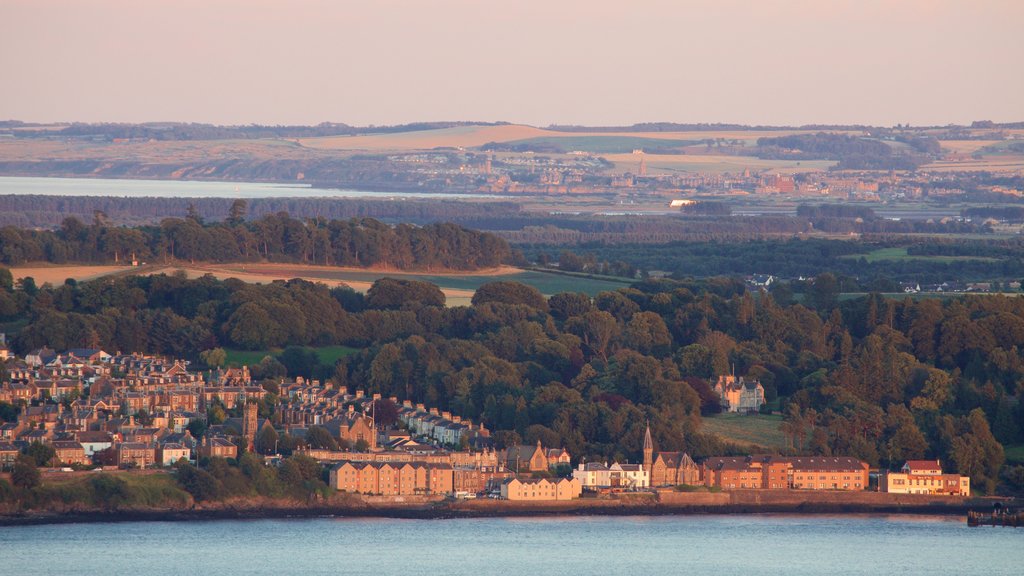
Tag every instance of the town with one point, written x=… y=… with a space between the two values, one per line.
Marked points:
x=85 y=409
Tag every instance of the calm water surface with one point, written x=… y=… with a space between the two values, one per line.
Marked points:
x=193 y=189
x=720 y=545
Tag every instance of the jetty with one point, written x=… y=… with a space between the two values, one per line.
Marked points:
x=998 y=517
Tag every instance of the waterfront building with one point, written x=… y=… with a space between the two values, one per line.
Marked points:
x=668 y=468
x=540 y=489
x=782 y=473
x=392 y=479
x=926 y=477
x=596 y=476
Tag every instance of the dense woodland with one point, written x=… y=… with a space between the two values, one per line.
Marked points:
x=278 y=237
x=879 y=379
x=194 y=131
x=1001 y=261
x=853 y=153
x=44 y=211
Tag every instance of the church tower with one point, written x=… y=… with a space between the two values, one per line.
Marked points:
x=249 y=426
x=648 y=450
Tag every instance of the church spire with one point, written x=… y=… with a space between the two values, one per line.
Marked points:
x=648 y=449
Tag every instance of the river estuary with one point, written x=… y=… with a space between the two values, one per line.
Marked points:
x=720 y=545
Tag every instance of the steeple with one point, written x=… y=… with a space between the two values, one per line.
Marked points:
x=648 y=449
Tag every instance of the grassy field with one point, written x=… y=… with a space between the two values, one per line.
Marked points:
x=328 y=355
x=761 y=430
x=547 y=282
x=1014 y=454
x=713 y=163
x=901 y=254
x=603 y=144
x=462 y=284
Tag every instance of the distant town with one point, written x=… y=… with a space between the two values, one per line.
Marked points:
x=87 y=410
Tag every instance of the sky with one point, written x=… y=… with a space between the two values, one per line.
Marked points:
x=593 y=62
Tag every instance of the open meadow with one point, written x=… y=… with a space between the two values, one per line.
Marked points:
x=747 y=430
x=458 y=287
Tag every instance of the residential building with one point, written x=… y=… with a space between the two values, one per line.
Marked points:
x=135 y=455
x=785 y=473
x=392 y=479
x=540 y=489
x=171 y=452
x=70 y=452
x=739 y=395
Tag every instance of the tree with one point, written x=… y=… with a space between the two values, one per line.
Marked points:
x=236 y=214
x=266 y=440
x=825 y=292
x=384 y=412
x=25 y=474
x=41 y=454
x=510 y=293
x=192 y=213
x=317 y=437
x=565 y=305
x=214 y=357
x=197 y=428
x=397 y=294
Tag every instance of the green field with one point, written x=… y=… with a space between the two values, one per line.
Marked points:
x=328 y=355
x=1014 y=453
x=761 y=429
x=603 y=144
x=547 y=282
x=901 y=254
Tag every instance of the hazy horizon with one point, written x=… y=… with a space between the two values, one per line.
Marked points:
x=789 y=62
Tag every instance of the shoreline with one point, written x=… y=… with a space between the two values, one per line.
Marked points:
x=501 y=509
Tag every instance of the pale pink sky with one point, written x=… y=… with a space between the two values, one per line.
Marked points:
x=536 y=62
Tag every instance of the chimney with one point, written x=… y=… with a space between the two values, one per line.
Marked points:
x=421 y=407
x=457 y=419
x=434 y=412
x=407 y=404
x=360 y=394
x=376 y=396
x=446 y=415
x=351 y=408
x=343 y=390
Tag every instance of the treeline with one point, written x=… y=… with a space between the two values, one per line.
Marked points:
x=793 y=258
x=276 y=237
x=1008 y=213
x=528 y=228
x=883 y=380
x=193 y=131
x=44 y=211
x=835 y=211
x=299 y=479
x=853 y=153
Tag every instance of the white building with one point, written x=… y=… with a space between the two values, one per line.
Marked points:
x=596 y=475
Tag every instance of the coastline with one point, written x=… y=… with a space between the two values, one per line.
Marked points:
x=803 y=504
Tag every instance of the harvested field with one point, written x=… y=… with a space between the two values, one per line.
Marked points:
x=58 y=274
x=473 y=136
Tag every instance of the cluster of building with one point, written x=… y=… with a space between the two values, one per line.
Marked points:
x=134 y=411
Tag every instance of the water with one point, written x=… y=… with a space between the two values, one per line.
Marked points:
x=719 y=545
x=195 y=189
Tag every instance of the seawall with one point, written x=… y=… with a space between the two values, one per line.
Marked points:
x=660 y=503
